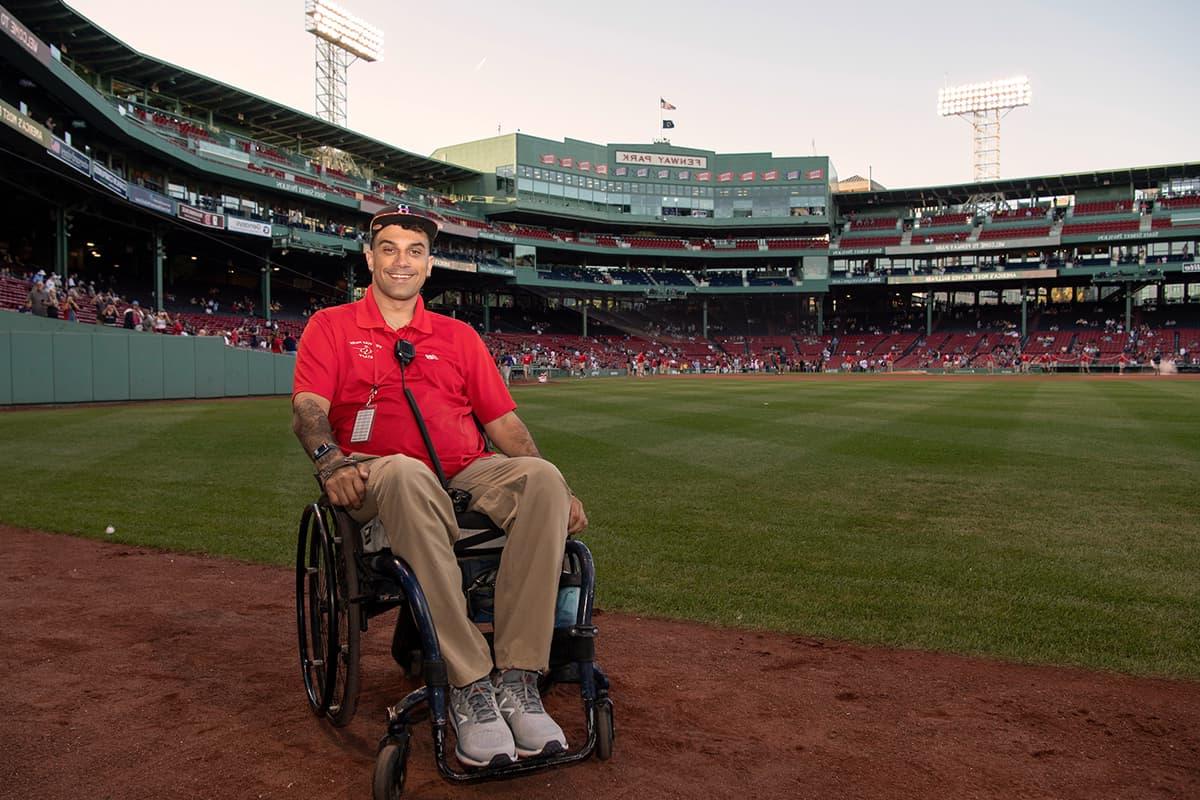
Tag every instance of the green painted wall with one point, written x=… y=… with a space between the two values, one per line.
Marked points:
x=146 y=368
x=46 y=361
x=5 y=369
x=237 y=372
x=113 y=381
x=32 y=357
x=71 y=357
x=178 y=358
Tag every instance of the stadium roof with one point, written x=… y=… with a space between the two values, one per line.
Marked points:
x=1016 y=188
x=277 y=125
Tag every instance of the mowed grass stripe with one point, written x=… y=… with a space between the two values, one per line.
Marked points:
x=1047 y=521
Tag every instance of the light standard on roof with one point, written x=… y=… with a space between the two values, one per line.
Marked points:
x=983 y=105
x=342 y=39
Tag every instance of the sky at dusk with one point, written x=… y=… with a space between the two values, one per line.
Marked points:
x=1114 y=84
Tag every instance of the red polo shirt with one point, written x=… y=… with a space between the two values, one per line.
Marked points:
x=345 y=350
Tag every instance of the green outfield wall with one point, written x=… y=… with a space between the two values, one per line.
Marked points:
x=51 y=361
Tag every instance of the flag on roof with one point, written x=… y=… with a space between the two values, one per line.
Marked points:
x=664 y=105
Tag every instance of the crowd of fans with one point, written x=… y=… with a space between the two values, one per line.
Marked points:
x=1061 y=336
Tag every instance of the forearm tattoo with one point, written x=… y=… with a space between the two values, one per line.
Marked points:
x=311 y=425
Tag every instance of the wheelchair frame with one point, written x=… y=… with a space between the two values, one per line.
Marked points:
x=339 y=588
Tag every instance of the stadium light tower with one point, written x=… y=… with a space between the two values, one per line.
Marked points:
x=983 y=105
x=342 y=39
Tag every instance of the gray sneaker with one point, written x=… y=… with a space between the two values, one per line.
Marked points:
x=532 y=728
x=483 y=738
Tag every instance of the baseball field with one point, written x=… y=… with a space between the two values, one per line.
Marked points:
x=1014 y=558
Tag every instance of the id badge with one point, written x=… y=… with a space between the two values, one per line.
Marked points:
x=364 y=420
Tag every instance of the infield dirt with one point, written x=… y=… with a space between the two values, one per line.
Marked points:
x=132 y=673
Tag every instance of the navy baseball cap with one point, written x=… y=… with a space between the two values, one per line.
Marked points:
x=405 y=218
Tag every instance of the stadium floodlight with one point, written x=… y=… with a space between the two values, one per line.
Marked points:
x=341 y=39
x=331 y=22
x=982 y=105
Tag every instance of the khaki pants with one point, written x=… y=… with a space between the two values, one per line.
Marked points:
x=526 y=497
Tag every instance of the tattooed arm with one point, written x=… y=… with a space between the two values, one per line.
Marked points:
x=310 y=423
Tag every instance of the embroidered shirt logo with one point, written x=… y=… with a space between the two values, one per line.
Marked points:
x=431 y=357
x=365 y=349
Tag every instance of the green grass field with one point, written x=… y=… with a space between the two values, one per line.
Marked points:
x=1050 y=520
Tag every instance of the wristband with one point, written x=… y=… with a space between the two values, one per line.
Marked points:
x=325 y=449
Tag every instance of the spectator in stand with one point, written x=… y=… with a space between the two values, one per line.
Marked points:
x=289 y=343
x=109 y=315
x=133 y=317
x=39 y=299
x=52 y=301
x=68 y=309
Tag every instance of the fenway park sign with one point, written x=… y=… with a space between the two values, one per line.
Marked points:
x=660 y=159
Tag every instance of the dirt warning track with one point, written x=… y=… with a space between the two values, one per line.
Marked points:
x=132 y=673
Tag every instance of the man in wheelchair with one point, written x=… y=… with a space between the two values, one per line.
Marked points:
x=356 y=363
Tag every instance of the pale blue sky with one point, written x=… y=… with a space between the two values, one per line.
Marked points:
x=1114 y=83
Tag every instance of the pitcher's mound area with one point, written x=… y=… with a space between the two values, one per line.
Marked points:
x=139 y=674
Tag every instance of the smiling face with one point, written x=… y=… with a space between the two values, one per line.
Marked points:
x=399 y=260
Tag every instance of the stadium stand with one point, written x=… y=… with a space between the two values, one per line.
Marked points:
x=203 y=156
x=942 y=220
x=1102 y=207
x=1093 y=228
x=873 y=223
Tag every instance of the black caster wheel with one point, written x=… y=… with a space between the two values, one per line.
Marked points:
x=605 y=732
x=391 y=767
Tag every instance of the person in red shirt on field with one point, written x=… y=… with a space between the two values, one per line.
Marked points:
x=350 y=414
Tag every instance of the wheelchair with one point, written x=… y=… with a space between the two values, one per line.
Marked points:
x=341 y=585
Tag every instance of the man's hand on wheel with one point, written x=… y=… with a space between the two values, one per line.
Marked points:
x=347 y=486
x=577 y=521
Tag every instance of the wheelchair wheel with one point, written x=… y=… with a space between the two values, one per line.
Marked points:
x=605 y=732
x=391 y=768
x=314 y=602
x=328 y=620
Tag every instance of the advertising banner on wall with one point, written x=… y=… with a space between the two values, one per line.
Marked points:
x=14 y=119
x=109 y=179
x=151 y=200
x=199 y=216
x=249 y=226
x=69 y=156
x=24 y=37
